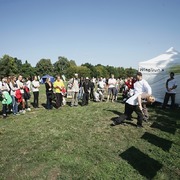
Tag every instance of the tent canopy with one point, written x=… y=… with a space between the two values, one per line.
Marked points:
x=43 y=78
x=156 y=71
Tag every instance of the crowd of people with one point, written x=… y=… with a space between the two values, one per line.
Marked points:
x=16 y=92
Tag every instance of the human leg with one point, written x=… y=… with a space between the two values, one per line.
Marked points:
x=166 y=99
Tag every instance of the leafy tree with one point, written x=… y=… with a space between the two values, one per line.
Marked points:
x=72 y=63
x=43 y=67
x=121 y=72
x=93 y=72
x=81 y=70
x=130 y=72
x=112 y=70
x=61 y=65
x=27 y=70
x=8 y=66
x=101 y=71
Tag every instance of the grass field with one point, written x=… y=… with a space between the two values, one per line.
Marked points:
x=79 y=143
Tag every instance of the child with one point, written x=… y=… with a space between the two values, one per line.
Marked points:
x=6 y=100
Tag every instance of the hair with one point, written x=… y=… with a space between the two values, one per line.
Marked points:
x=172 y=73
x=151 y=99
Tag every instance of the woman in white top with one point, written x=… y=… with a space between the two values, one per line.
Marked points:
x=35 y=90
x=14 y=87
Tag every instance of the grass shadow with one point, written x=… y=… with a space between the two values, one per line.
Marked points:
x=164 y=127
x=162 y=143
x=114 y=111
x=144 y=164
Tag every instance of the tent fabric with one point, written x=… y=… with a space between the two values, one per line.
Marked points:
x=156 y=71
x=43 y=78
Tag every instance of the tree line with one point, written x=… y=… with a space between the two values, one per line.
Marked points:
x=13 y=66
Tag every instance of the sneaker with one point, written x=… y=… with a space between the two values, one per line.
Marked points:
x=28 y=109
x=22 y=111
x=4 y=116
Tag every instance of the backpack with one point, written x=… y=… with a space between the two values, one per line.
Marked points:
x=7 y=99
x=27 y=94
x=18 y=95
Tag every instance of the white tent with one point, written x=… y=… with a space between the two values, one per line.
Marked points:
x=156 y=71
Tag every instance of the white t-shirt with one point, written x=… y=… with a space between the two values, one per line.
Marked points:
x=142 y=86
x=112 y=82
x=35 y=86
x=133 y=100
x=101 y=84
x=20 y=86
x=172 y=83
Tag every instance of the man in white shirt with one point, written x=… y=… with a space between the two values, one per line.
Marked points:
x=111 y=87
x=141 y=87
x=171 y=86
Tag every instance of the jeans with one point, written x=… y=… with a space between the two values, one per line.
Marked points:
x=48 y=100
x=14 y=105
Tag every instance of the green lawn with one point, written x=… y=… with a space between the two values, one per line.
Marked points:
x=79 y=143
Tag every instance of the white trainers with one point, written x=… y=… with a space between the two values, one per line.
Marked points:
x=22 y=111
x=28 y=109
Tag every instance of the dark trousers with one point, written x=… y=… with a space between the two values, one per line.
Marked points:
x=4 y=109
x=92 y=94
x=36 y=99
x=58 y=100
x=166 y=99
x=85 y=99
x=129 y=110
x=49 y=100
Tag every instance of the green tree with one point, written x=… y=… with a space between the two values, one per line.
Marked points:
x=101 y=71
x=112 y=70
x=60 y=66
x=8 y=66
x=130 y=72
x=93 y=72
x=72 y=63
x=81 y=70
x=43 y=67
x=27 y=70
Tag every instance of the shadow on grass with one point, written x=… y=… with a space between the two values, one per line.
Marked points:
x=164 y=127
x=157 y=141
x=121 y=120
x=114 y=111
x=144 y=164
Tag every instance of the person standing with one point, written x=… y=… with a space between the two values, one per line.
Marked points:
x=86 y=91
x=49 y=93
x=74 y=82
x=80 y=94
x=13 y=87
x=35 y=90
x=20 y=86
x=58 y=86
x=111 y=87
x=171 y=86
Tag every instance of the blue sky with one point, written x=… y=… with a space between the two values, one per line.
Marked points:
x=118 y=33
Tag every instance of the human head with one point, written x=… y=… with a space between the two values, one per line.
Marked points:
x=171 y=74
x=151 y=99
x=58 y=77
x=76 y=75
x=20 y=77
x=139 y=75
